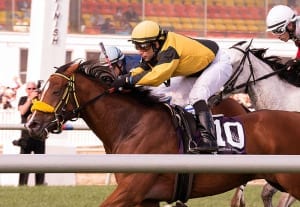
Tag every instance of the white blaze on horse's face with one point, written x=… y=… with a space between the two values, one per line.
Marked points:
x=44 y=89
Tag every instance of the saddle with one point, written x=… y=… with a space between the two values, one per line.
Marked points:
x=230 y=136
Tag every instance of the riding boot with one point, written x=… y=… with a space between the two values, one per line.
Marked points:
x=208 y=139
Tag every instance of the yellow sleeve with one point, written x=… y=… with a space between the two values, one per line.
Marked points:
x=159 y=74
x=136 y=71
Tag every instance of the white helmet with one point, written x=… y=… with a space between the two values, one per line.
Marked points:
x=114 y=55
x=278 y=18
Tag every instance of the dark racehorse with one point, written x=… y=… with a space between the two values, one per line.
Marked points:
x=134 y=122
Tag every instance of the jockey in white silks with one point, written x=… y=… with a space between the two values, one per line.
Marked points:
x=167 y=54
x=284 y=24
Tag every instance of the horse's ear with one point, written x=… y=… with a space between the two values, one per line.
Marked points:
x=238 y=43
x=250 y=43
x=71 y=69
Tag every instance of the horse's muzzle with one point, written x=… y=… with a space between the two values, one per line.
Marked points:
x=36 y=130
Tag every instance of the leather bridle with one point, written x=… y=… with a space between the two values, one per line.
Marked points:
x=230 y=86
x=61 y=113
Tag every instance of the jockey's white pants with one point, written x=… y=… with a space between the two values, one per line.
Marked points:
x=212 y=78
x=188 y=90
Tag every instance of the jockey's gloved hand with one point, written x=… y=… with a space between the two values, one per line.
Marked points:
x=123 y=81
x=292 y=63
x=144 y=65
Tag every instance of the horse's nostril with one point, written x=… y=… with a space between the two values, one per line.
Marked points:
x=31 y=125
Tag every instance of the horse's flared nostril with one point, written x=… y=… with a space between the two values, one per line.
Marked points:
x=31 y=125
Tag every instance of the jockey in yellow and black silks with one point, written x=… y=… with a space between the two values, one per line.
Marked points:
x=168 y=54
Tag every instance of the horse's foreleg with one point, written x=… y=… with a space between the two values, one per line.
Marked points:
x=286 y=200
x=238 y=199
x=180 y=204
x=290 y=200
x=267 y=194
x=131 y=191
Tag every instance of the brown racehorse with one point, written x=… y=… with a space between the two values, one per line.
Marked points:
x=135 y=122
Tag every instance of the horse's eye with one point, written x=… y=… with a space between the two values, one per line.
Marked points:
x=107 y=79
x=56 y=93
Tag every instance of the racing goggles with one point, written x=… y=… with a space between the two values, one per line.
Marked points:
x=279 y=30
x=143 y=46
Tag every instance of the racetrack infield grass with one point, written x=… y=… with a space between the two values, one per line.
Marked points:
x=92 y=196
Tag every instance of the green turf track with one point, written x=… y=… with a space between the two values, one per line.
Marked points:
x=92 y=196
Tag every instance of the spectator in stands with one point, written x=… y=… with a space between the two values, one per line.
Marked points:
x=23 y=5
x=16 y=83
x=9 y=98
x=107 y=27
x=292 y=3
x=125 y=28
x=130 y=15
x=167 y=54
x=97 y=20
x=284 y=24
x=118 y=17
x=2 y=89
x=27 y=143
x=6 y=103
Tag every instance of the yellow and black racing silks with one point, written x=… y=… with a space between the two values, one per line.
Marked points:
x=179 y=56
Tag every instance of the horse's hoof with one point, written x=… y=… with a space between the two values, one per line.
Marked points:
x=180 y=204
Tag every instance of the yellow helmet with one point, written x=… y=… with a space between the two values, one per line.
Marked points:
x=146 y=31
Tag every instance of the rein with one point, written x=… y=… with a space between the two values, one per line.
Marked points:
x=60 y=116
x=229 y=86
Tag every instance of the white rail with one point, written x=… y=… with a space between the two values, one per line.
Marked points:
x=154 y=163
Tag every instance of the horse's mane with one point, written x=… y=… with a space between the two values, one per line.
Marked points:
x=274 y=62
x=63 y=68
x=143 y=95
x=104 y=76
x=292 y=75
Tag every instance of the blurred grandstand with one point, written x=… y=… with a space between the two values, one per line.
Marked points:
x=206 y=18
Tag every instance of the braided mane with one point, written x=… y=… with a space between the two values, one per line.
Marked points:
x=274 y=62
x=292 y=75
x=105 y=76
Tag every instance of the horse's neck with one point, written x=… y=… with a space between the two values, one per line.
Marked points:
x=111 y=120
x=103 y=115
x=124 y=125
x=272 y=92
x=120 y=120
